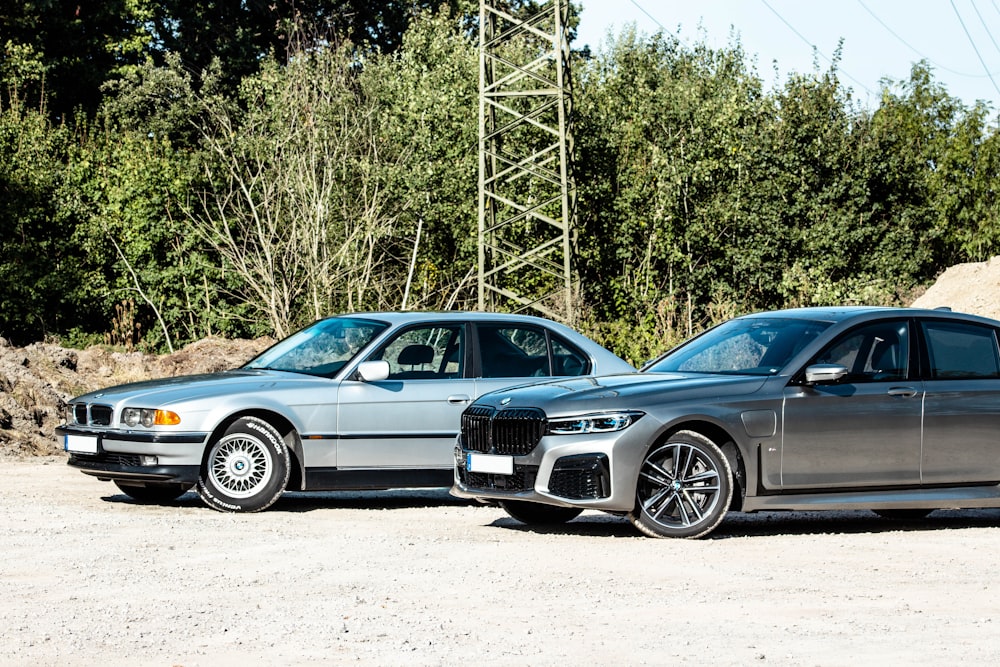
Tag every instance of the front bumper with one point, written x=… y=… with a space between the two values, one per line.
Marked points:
x=564 y=471
x=137 y=456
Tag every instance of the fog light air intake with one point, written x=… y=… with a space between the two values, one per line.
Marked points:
x=581 y=477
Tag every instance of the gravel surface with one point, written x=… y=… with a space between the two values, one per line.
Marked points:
x=89 y=577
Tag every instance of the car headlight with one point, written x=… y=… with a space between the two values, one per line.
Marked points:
x=149 y=417
x=605 y=422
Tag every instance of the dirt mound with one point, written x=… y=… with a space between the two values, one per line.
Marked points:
x=967 y=288
x=37 y=381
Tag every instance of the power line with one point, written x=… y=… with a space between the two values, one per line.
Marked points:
x=914 y=49
x=790 y=26
x=974 y=47
x=815 y=48
x=651 y=17
x=985 y=27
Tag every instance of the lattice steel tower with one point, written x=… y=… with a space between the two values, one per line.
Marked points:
x=526 y=192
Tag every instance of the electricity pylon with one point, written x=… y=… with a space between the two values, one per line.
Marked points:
x=526 y=192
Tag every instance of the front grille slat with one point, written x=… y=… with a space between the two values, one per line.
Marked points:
x=476 y=428
x=93 y=414
x=510 y=432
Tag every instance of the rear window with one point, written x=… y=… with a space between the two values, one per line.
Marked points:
x=520 y=351
x=960 y=350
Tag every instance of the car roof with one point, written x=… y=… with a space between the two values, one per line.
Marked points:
x=407 y=316
x=846 y=313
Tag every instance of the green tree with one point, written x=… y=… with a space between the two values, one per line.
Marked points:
x=79 y=46
x=427 y=95
x=298 y=204
x=666 y=151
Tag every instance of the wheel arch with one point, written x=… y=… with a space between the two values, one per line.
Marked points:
x=725 y=441
x=288 y=433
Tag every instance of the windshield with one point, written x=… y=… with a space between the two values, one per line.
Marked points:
x=322 y=348
x=745 y=346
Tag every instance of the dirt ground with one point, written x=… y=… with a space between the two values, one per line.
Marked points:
x=88 y=577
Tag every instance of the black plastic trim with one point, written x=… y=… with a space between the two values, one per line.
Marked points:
x=334 y=479
x=115 y=471
x=132 y=436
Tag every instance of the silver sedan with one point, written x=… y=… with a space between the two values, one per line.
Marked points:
x=890 y=409
x=364 y=401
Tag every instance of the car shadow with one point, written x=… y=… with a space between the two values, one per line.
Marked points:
x=741 y=525
x=296 y=501
x=301 y=501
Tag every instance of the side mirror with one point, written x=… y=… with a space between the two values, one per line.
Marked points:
x=825 y=373
x=373 y=371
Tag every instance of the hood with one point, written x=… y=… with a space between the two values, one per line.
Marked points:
x=620 y=392
x=165 y=391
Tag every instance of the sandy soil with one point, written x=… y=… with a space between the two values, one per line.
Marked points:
x=969 y=288
x=88 y=577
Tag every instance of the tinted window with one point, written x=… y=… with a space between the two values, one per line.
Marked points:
x=568 y=361
x=520 y=351
x=873 y=353
x=513 y=351
x=425 y=353
x=961 y=350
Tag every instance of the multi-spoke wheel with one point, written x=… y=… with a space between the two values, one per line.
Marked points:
x=539 y=514
x=684 y=488
x=246 y=469
x=152 y=494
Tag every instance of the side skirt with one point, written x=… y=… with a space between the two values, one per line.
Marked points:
x=333 y=479
x=964 y=497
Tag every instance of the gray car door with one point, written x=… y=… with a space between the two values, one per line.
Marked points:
x=410 y=419
x=962 y=406
x=864 y=431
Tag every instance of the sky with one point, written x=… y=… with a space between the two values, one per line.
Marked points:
x=881 y=38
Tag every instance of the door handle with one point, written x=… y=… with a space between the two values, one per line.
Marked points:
x=905 y=392
x=459 y=398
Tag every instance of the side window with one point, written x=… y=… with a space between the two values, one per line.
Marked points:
x=425 y=353
x=877 y=352
x=958 y=350
x=513 y=351
x=568 y=361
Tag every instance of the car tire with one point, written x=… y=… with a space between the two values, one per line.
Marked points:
x=246 y=469
x=684 y=489
x=539 y=514
x=152 y=494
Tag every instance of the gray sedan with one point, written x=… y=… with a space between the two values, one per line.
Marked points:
x=365 y=401
x=890 y=409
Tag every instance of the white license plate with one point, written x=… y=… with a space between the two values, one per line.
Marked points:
x=494 y=465
x=82 y=444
